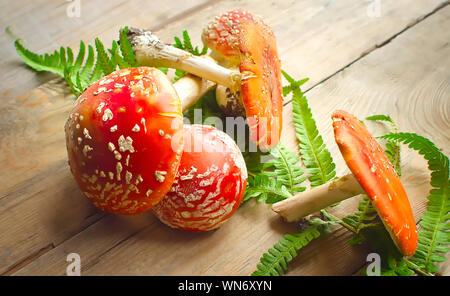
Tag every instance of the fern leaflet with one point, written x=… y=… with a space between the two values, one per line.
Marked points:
x=274 y=262
x=77 y=75
x=434 y=236
x=265 y=189
x=186 y=45
x=321 y=169
x=392 y=147
x=365 y=216
x=286 y=168
x=314 y=154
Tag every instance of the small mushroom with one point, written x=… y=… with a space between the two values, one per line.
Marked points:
x=373 y=174
x=243 y=39
x=210 y=182
x=251 y=44
x=125 y=138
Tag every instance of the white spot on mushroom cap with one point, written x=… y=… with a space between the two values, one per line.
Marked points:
x=190 y=175
x=87 y=149
x=128 y=177
x=86 y=134
x=100 y=107
x=125 y=144
x=107 y=115
x=118 y=170
x=136 y=128
x=111 y=147
x=105 y=81
x=143 y=124
x=117 y=155
x=206 y=182
x=160 y=176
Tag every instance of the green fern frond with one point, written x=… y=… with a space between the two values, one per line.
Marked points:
x=286 y=168
x=87 y=68
x=396 y=266
x=256 y=161
x=126 y=48
x=116 y=58
x=392 y=147
x=364 y=217
x=77 y=75
x=320 y=168
x=434 y=236
x=178 y=75
x=314 y=154
x=106 y=64
x=80 y=57
x=49 y=62
x=382 y=117
x=186 y=45
x=265 y=189
x=274 y=262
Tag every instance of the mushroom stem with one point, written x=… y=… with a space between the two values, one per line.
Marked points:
x=320 y=197
x=190 y=88
x=150 y=51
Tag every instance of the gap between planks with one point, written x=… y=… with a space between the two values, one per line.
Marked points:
x=377 y=46
x=185 y=14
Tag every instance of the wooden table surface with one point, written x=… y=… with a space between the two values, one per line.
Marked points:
x=367 y=57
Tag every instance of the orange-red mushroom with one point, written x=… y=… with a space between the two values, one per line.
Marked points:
x=124 y=140
x=245 y=40
x=373 y=174
x=210 y=182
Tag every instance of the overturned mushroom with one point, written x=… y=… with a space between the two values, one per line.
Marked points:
x=373 y=174
x=125 y=137
x=250 y=42
x=244 y=40
x=210 y=182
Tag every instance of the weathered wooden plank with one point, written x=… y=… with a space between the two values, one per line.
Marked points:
x=34 y=173
x=237 y=256
x=381 y=83
x=318 y=38
x=46 y=25
x=407 y=79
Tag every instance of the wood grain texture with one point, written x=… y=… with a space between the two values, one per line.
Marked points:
x=412 y=87
x=45 y=25
x=43 y=213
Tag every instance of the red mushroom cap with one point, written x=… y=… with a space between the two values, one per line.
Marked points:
x=222 y=35
x=210 y=182
x=246 y=40
x=124 y=140
x=377 y=176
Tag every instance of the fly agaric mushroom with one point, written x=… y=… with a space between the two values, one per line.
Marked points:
x=125 y=137
x=251 y=44
x=210 y=182
x=373 y=174
x=245 y=40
